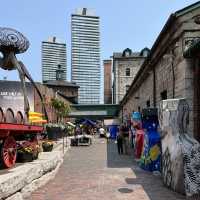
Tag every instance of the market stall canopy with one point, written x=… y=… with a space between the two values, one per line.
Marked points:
x=71 y=124
x=108 y=122
x=88 y=122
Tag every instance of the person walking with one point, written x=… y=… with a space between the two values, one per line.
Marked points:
x=120 y=141
x=125 y=134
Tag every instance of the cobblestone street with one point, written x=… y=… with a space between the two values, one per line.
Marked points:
x=98 y=172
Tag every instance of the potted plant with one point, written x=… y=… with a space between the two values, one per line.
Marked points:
x=52 y=131
x=47 y=146
x=27 y=151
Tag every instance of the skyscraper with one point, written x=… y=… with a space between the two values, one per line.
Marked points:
x=86 y=71
x=53 y=60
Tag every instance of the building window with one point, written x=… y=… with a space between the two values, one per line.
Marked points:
x=163 y=95
x=127 y=88
x=148 y=103
x=127 y=52
x=128 y=72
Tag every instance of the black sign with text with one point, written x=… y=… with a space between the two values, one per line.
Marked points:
x=11 y=96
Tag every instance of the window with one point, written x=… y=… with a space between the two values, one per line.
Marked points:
x=127 y=87
x=163 y=95
x=127 y=71
x=84 y=11
x=148 y=103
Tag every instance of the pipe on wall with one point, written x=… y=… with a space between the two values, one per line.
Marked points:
x=154 y=87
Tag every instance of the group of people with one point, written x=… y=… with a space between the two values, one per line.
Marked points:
x=127 y=140
x=84 y=130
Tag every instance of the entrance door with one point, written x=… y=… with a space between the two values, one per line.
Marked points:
x=196 y=105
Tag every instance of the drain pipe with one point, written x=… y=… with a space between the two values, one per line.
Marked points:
x=154 y=87
x=173 y=74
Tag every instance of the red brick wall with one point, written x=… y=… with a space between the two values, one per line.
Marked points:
x=107 y=81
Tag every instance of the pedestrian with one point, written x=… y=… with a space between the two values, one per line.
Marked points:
x=125 y=133
x=107 y=134
x=102 y=132
x=120 y=141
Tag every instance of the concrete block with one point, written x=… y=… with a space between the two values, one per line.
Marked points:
x=23 y=176
x=16 y=196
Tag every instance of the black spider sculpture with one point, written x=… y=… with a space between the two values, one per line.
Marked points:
x=13 y=42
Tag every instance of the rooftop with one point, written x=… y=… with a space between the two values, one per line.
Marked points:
x=61 y=83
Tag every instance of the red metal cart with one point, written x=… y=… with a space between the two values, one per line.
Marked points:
x=8 y=134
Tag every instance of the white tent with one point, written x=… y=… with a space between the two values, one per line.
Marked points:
x=71 y=124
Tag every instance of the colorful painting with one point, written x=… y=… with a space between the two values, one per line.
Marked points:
x=151 y=155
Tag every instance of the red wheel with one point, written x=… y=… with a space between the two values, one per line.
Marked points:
x=9 y=152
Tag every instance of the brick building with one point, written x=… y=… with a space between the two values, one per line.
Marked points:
x=68 y=90
x=125 y=67
x=172 y=68
x=11 y=97
x=48 y=94
x=107 y=81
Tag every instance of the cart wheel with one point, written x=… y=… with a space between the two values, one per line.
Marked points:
x=9 y=152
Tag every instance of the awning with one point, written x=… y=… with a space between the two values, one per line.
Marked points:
x=88 y=122
x=71 y=124
x=108 y=122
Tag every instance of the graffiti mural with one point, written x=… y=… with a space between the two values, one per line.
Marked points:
x=166 y=168
x=180 y=152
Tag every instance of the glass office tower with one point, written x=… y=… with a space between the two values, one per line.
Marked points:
x=85 y=46
x=53 y=59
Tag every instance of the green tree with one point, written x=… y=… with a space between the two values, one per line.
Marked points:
x=62 y=109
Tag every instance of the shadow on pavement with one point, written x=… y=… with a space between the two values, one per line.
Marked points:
x=150 y=183
x=114 y=160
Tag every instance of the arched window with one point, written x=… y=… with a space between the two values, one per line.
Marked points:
x=145 y=52
x=127 y=52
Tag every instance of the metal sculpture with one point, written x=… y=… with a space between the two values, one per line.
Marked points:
x=13 y=42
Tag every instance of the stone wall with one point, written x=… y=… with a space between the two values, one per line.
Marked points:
x=121 y=80
x=167 y=59
x=47 y=99
x=107 y=81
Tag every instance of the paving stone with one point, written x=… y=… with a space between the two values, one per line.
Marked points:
x=97 y=172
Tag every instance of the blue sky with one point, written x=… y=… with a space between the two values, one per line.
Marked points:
x=129 y=23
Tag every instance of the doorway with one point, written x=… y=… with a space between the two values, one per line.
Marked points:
x=196 y=100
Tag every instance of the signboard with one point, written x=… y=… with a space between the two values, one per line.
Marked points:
x=11 y=96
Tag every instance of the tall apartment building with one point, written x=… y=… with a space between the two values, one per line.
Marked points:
x=107 y=81
x=53 y=60
x=125 y=68
x=86 y=70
